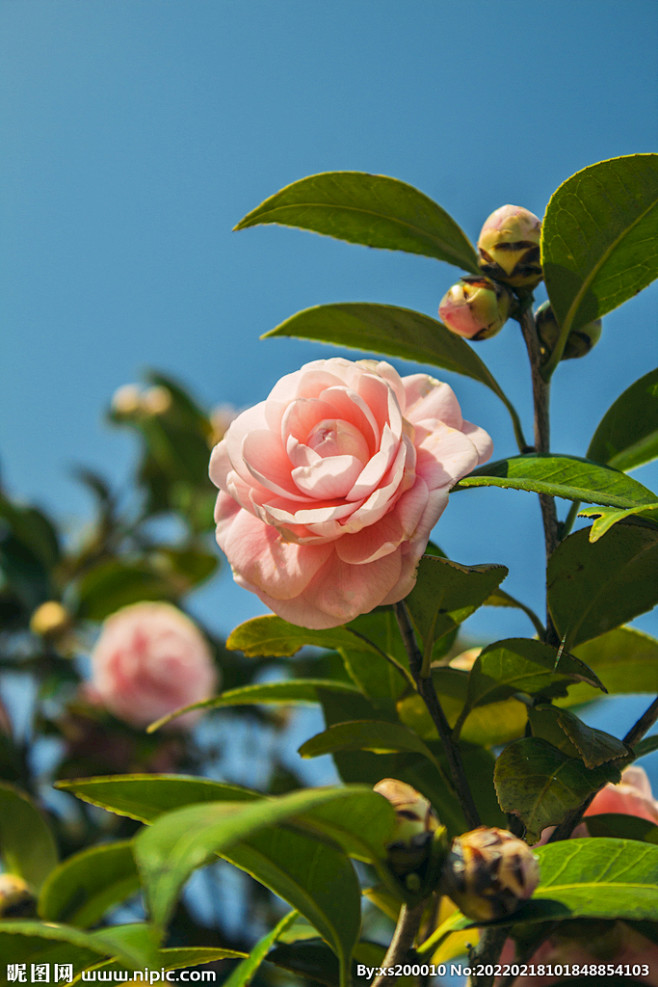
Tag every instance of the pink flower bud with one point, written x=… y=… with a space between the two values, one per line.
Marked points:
x=632 y=796
x=489 y=872
x=509 y=247
x=150 y=660
x=476 y=308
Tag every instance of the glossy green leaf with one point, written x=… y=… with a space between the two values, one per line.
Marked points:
x=377 y=736
x=523 y=665
x=573 y=737
x=600 y=240
x=622 y=826
x=562 y=476
x=185 y=839
x=246 y=971
x=27 y=845
x=276 y=637
x=373 y=210
x=500 y=598
x=298 y=691
x=144 y=797
x=30 y=941
x=540 y=784
x=595 y=587
x=113 y=583
x=82 y=888
x=446 y=593
x=607 y=516
x=392 y=331
x=624 y=659
x=627 y=435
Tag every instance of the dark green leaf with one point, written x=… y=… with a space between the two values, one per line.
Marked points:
x=627 y=435
x=646 y=746
x=607 y=516
x=446 y=593
x=31 y=941
x=540 y=784
x=112 y=584
x=82 y=888
x=313 y=961
x=622 y=827
x=595 y=587
x=562 y=476
x=600 y=240
x=625 y=660
x=185 y=567
x=374 y=210
x=246 y=971
x=27 y=845
x=574 y=738
x=500 y=598
x=377 y=736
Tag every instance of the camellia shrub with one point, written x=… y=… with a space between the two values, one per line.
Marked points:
x=482 y=830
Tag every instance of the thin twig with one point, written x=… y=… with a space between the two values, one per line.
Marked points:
x=426 y=689
x=406 y=931
x=486 y=955
x=645 y=722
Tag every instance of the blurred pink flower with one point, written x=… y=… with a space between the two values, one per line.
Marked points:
x=149 y=660
x=632 y=796
x=329 y=488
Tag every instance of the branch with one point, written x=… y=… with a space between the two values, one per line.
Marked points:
x=402 y=941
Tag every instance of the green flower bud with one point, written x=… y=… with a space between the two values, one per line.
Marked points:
x=155 y=401
x=489 y=872
x=509 y=247
x=579 y=341
x=475 y=308
x=16 y=899
x=415 y=822
x=126 y=401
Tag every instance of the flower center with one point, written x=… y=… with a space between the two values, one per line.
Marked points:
x=336 y=437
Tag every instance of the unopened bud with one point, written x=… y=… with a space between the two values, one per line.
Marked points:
x=579 y=341
x=476 y=308
x=16 y=899
x=489 y=872
x=50 y=620
x=509 y=247
x=126 y=400
x=415 y=822
x=156 y=400
x=465 y=661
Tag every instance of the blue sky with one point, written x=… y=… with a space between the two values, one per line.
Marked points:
x=136 y=133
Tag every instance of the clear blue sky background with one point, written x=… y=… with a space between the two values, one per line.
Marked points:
x=136 y=133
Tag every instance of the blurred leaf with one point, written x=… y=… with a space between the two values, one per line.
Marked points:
x=573 y=737
x=627 y=435
x=187 y=567
x=625 y=660
x=607 y=516
x=298 y=691
x=246 y=971
x=540 y=784
x=446 y=593
x=113 y=583
x=646 y=746
x=41 y=942
x=377 y=736
x=523 y=665
x=82 y=888
x=622 y=826
x=273 y=636
x=562 y=476
x=373 y=210
x=312 y=960
x=599 y=238
x=34 y=530
x=27 y=845
x=175 y=958
x=595 y=587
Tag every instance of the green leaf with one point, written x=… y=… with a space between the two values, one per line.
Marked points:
x=500 y=598
x=185 y=839
x=540 y=784
x=27 y=845
x=646 y=746
x=607 y=516
x=392 y=331
x=176 y=958
x=523 y=665
x=574 y=738
x=446 y=593
x=600 y=240
x=373 y=210
x=185 y=567
x=624 y=659
x=144 y=797
x=377 y=736
x=622 y=826
x=246 y=971
x=112 y=584
x=627 y=435
x=82 y=888
x=273 y=636
x=562 y=476
x=30 y=941
x=595 y=587
x=299 y=691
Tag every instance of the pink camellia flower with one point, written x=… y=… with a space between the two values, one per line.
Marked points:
x=329 y=488
x=632 y=796
x=149 y=660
